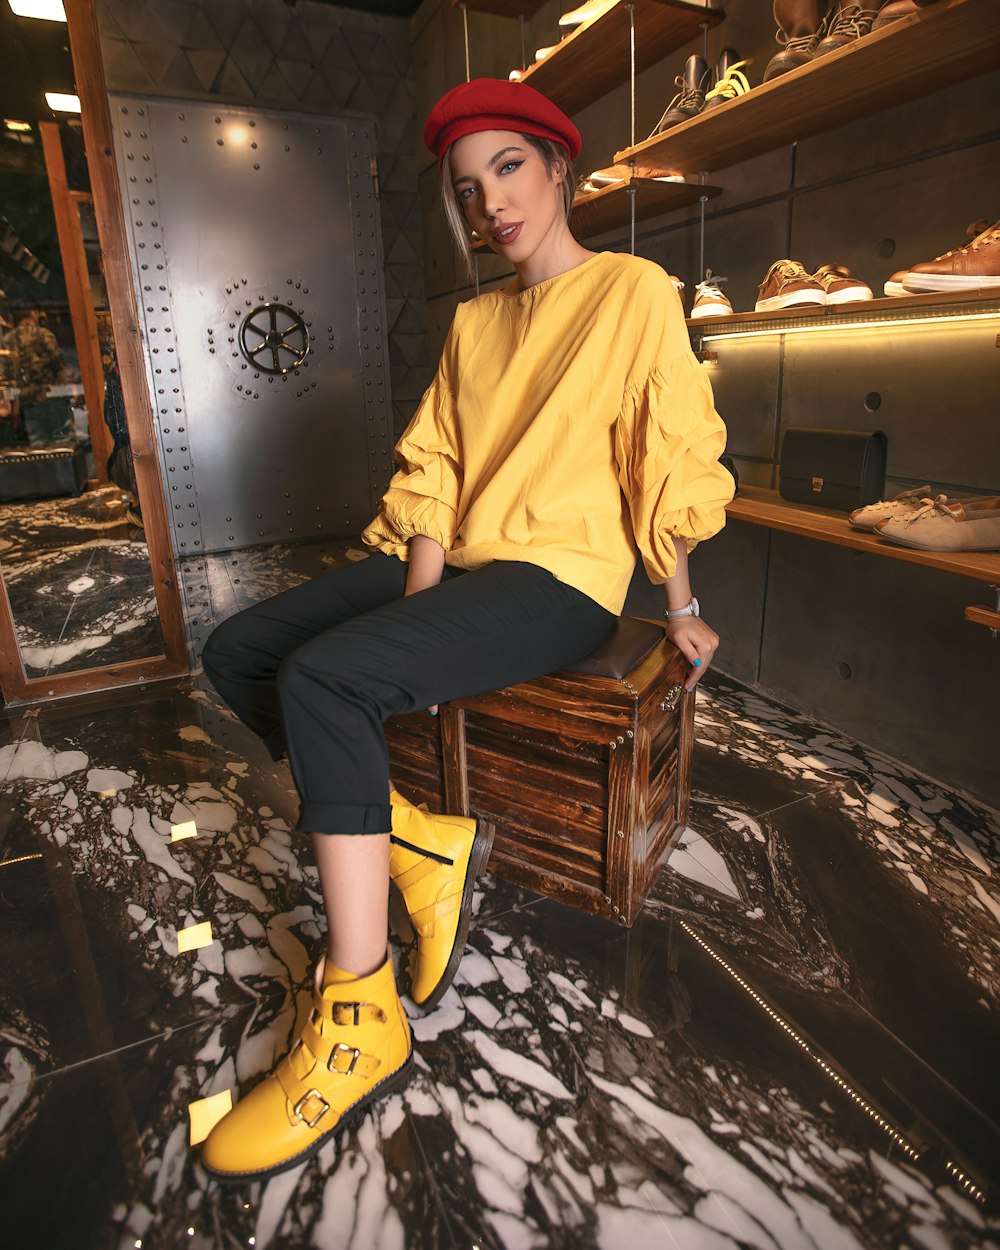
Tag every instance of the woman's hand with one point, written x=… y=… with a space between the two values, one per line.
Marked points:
x=426 y=565
x=697 y=642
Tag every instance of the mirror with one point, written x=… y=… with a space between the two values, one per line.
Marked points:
x=73 y=552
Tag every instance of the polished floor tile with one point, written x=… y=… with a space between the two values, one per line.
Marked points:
x=793 y=1047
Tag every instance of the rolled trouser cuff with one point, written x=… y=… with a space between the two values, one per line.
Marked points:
x=331 y=818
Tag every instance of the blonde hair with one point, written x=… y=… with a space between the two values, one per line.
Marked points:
x=553 y=154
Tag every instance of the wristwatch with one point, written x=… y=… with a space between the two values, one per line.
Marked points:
x=692 y=609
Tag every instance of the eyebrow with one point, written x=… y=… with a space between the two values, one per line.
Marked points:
x=489 y=164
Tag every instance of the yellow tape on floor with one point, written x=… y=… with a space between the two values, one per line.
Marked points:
x=206 y=1113
x=194 y=937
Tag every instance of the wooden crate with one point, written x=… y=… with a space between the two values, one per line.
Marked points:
x=585 y=774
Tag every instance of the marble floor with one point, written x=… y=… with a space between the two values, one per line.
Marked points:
x=79 y=581
x=794 y=1048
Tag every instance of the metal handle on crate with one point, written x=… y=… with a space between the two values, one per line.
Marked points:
x=673 y=697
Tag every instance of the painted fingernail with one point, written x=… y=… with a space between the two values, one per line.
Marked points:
x=433 y=711
x=697 y=663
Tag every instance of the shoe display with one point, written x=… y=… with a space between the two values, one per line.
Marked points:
x=434 y=862
x=967 y=268
x=730 y=83
x=690 y=100
x=893 y=11
x=587 y=12
x=354 y=1047
x=840 y=286
x=852 y=21
x=868 y=517
x=613 y=174
x=800 y=28
x=971 y=525
x=894 y=286
x=709 y=300
x=786 y=285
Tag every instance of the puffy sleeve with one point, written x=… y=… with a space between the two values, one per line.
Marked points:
x=668 y=441
x=422 y=497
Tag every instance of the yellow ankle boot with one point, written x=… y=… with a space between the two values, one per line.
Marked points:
x=434 y=861
x=355 y=1047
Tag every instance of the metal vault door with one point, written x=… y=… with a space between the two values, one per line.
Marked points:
x=256 y=247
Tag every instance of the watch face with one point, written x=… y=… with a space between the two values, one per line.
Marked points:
x=695 y=607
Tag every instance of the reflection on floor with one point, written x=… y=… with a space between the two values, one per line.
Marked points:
x=79 y=581
x=795 y=1046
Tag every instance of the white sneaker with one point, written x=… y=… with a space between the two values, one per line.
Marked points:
x=709 y=300
x=906 y=501
x=587 y=12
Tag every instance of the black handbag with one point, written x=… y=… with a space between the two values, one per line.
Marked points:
x=842 y=469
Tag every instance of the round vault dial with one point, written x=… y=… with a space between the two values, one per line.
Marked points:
x=274 y=338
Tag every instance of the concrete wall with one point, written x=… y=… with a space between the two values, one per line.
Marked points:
x=874 y=647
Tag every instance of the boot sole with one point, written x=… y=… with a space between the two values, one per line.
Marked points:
x=929 y=283
x=350 y=1118
x=481 y=847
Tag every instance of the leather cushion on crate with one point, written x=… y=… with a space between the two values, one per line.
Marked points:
x=630 y=643
x=42 y=474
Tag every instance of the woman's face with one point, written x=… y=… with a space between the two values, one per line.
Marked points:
x=507 y=192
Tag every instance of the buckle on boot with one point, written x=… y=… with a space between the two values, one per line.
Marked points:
x=350 y=1050
x=300 y=1114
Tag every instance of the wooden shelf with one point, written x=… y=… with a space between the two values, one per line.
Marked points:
x=594 y=59
x=947 y=42
x=983 y=616
x=501 y=8
x=904 y=307
x=766 y=507
x=609 y=208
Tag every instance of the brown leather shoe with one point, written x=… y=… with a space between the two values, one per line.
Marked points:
x=851 y=22
x=800 y=28
x=967 y=268
x=841 y=286
x=893 y=11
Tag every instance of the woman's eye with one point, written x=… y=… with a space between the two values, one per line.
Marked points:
x=511 y=165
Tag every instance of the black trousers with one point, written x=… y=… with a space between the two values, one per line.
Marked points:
x=318 y=669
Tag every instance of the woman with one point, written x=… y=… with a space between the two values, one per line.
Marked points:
x=567 y=426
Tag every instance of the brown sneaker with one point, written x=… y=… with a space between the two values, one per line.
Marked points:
x=893 y=286
x=973 y=525
x=786 y=285
x=840 y=286
x=851 y=22
x=967 y=268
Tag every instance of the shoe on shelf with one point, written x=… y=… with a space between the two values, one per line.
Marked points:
x=434 y=862
x=967 y=525
x=852 y=21
x=709 y=301
x=730 y=83
x=587 y=12
x=354 y=1048
x=893 y=11
x=786 y=285
x=690 y=100
x=868 y=517
x=613 y=174
x=800 y=27
x=893 y=286
x=967 y=268
x=840 y=286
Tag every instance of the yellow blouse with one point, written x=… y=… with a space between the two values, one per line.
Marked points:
x=568 y=425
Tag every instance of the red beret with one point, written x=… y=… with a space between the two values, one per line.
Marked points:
x=496 y=104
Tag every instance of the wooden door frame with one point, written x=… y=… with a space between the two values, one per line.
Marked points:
x=66 y=209
x=17 y=687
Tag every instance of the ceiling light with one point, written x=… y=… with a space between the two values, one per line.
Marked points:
x=58 y=102
x=47 y=10
x=18 y=127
